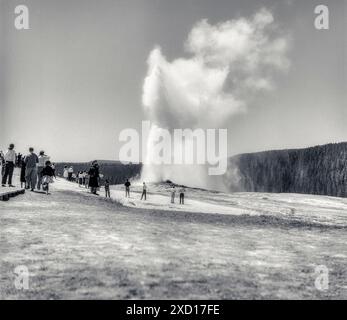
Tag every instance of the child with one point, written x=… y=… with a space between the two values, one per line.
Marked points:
x=47 y=176
x=107 y=189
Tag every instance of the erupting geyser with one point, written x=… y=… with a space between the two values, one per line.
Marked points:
x=228 y=63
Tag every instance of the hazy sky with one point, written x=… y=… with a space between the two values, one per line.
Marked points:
x=72 y=82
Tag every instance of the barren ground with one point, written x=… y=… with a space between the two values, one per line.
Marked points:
x=79 y=246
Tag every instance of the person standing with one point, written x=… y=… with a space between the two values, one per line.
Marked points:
x=86 y=180
x=53 y=167
x=19 y=160
x=22 y=174
x=31 y=161
x=144 y=191
x=181 y=192
x=70 y=173
x=80 y=178
x=107 y=189
x=10 y=161
x=173 y=194
x=66 y=173
x=40 y=166
x=127 y=185
x=94 y=177
x=2 y=163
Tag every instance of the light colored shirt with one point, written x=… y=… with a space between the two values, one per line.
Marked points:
x=42 y=161
x=10 y=156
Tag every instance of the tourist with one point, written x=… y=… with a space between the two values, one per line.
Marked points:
x=107 y=189
x=70 y=173
x=84 y=174
x=94 y=177
x=9 y=163
x=66 y=173
x=53 y=167
x=86 y=181
x=40 y=166
x=181 y=191
x=19 y=160
x=2 y=163
x=173 y=194
x=144 y=191
x=127 y=185
x=22 y=174
x=31 y=161
x=47 y=176
x=80 y=178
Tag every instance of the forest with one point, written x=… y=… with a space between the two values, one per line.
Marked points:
x=320 y=170
x=316 y=170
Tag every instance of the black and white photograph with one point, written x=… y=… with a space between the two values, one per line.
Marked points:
x=165 y=150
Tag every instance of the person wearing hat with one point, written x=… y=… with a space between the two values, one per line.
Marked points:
x=94 y=176
x=10 y=160
x=31 y=161
x=40 y=166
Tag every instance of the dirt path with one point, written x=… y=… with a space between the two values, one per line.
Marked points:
x=81 y=246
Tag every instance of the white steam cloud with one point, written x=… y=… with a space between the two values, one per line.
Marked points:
x=229 y=63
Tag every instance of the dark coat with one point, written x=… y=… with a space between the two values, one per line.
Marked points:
x=94 y=176
x=48 y=171
x=22 y=172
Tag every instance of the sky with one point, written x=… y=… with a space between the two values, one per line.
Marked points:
x=74 y=80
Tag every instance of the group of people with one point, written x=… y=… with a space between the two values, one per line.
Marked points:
x=36 y=171
x=81 y=177
x=181 y=192
x=68 y=173
x=127 y=185
x=89 y=179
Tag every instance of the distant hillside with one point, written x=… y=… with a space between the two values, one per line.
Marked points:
x=316 y=170
x=115 y=171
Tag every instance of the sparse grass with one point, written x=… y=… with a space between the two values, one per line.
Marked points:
x=82 y=247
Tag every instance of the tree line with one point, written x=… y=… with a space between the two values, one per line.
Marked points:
x=320 y=170
x=114 y=171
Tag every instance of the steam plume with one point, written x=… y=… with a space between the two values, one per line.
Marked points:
x=227 y=64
